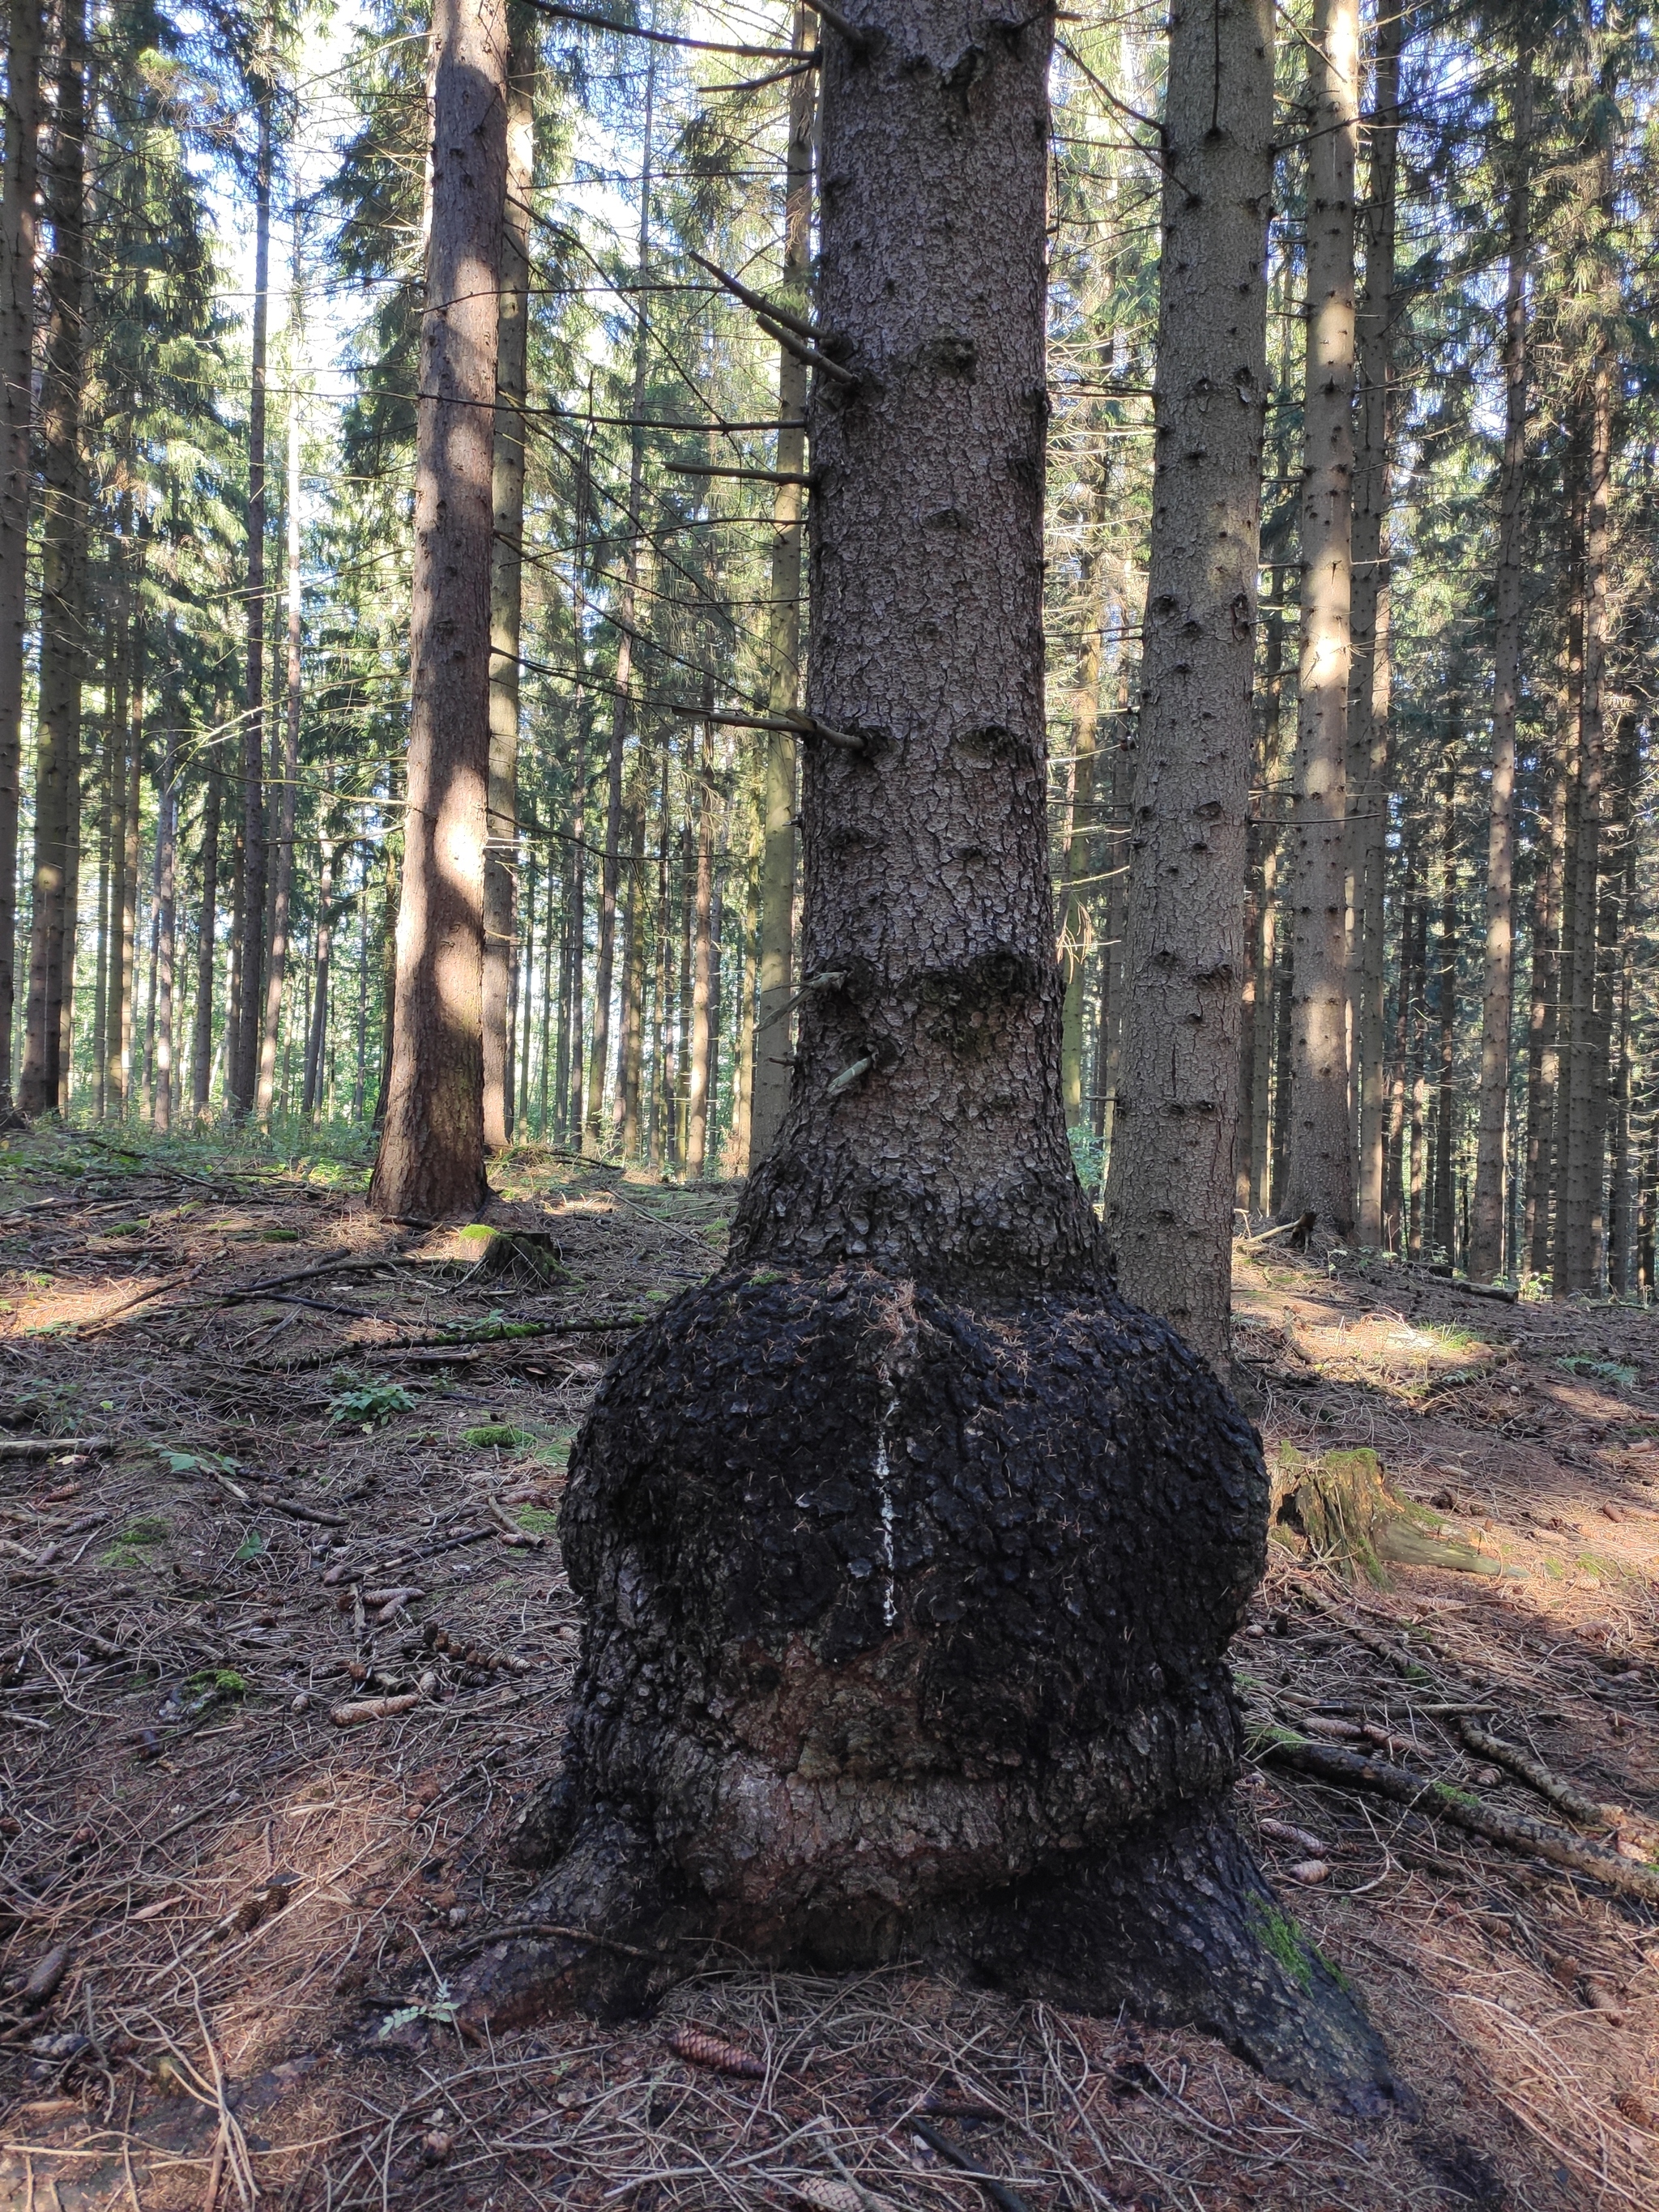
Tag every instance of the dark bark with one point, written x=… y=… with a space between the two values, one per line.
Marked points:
x=1445 y=1229
x=242 y=1069
x=910 y=1553
x=430 y=1163
x=201 y=1070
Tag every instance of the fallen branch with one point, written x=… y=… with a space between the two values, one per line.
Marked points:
x=1006 y=2199
x=297 y=1510
x=142 y=1298
x=506 y=1332
x=38 y=1447
x=1445 y=1800
x=1538 y=1776
x=1303 y=1223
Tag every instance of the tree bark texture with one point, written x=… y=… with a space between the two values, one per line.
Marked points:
x=62 y=584
x=703 y=970
x=243 y=1070
x=18 y=245
x=430 y=1163
x=1497 y=995
x=1444 y=1225
x=166 y=928
x=281 y=887
x=769 y=1097
x=1371 y=686
x=506 y=564
x=1321 y=1173
x=1080 y=840
x=909 y=1550
x=1169 y=1190
x=201 y=1067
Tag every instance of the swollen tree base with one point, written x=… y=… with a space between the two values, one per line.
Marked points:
x=906 y=1617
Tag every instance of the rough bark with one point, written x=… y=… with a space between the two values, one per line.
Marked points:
x=281 y=887
x=1267 y=1101
x=1079 y=841
x=201 y=1065
x=630 y=1042
x=243 y=1067
x=1445 y=1229
x=18 y=246
x=166 y=927
x=506 y=564
x=910 y=1551
x=1320 y=1174
x=1497 y=996
x=317 y=1032
x=1369 y=685
x=430 y=1163
x=1170 y=1188
x=702 y=972
x=62 y=584
x=1543 y=1056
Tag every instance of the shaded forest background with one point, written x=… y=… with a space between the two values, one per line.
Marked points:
x=217 y=300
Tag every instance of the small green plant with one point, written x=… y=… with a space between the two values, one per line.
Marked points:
x=1605 y=1370
x=178 y=1463
x=252 y=1547
x=367 y=1404
x=127 y=1229
x=1453 y=1796
x=538 y=1520
x=1280 y=1937
x=216 y=1682
x=558 y=1453
x=440 y=2008
x=279 y=1235
x=498 y=1436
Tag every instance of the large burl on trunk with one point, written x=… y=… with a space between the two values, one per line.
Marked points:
x=910 y=1555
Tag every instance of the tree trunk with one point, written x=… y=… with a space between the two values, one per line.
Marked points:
x=1445 y=1222
x=631 y=1043
x=62 y=584
x=506 y=564
x=166 y=926
x=1578 y=1208
x=813 y=1718
x=1079 y=838
x=242 y=1083
x=524 y=973
x=1543 y=1055
x=317 y=1035
x=1394 y=1191
x=1267 y=1101
x=1371 y=686
x=1622 y=1206
x=281 y=888
x=605 y=951
x=18 y=249
x=430 y=1163
x=773 y=1069
x=207 y=928
x=1170 y=1188
x=1497 y=998
x=1321 y=1176
x=702 y=971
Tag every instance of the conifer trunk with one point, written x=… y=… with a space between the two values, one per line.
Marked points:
x=201 y=1064
x=1497 y=998
x=166 y=926
x=282 y=885
x=430 y=1163
x=242 y=1075
x=631 y=1043
x=317 y=1037
x=1370 y=685
x=702 y=971
x=18 y=247
x=1320 y=1179
x=1443 y=1218
x=771 y=1077
x=63 y=585
x=1170 y=1188
x=506 y=565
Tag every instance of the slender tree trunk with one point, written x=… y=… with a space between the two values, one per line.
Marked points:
x=1321 y=1176
x=773 y=1068
x=100 y=973
x=1265 y=1104
x=430 y=1163
x=1417 y=1189
x=166 y=926
x=1622 y=1208
x=1543 y=1056
x=525 y=974
x=281 y=889
x=1579 y=1202
x=661 y=1088
x=1444 y=1219
x=317 y=1035
x=132 y=865
x=1079 y=841
x=1497 y=1002
x=571 y=1104
x=506 y=562
x=243 y=1084
x=117 y=743
x=1170 y=1188
x=1394 y=1204
x=631 y=1043
x=682 y=996
x=702 y=971
x=18 y=250
x=207 y=930
x=63 y=583
x=605 y=951
x=1369 y=687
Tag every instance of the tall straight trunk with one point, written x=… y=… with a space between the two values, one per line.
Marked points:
x=281 y=882
x=1369 y=684
x=131 y=867
x=749 y=1040
x=1405 y=904
x=1169 y=1186
x=1444 y=1223
x=525 y=972
x=506 y=563
x=242 y=1083
x=100 y=972
x=63 y=582
x=1612 y=909
x=661 y=1088
x=773 y=1068
x=570 y=1106
x=682 y=996
x=167 y=925
x=605 y=951
x=1253 y=984
x=1321 y=1176
x=1578 y=1256
x=317 y=1037
x=1497 y=997
x=18 y=250
x=1077 y=840
x=117 y=743
x=1264 y=1104
x=703 y=970
x=1417 y=1177
x=1543 y=1055
x=207 y=929
x=1284 y=1059
x=1622 y=1205
x=556 y=1079
x=631 y=1043
x=359 y=1077
x=430 y=1163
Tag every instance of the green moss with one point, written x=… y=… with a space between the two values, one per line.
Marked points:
x=1456 y=1796
x=476 y=1232
x=1279 y=1935
x=498 y=1436
x=538 y=1520
x=1331 y=1969
x=217 y=1682
x=279 y=1236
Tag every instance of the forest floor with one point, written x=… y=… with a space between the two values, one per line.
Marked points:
x=214 y=1891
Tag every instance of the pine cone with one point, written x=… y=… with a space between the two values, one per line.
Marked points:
x=702 y=2048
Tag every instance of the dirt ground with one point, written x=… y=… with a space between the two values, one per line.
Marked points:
x=258 y=1510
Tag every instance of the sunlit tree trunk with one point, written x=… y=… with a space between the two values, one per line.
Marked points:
x=702 y=971
x=1265 y=1103
x=506 y=565
x=281 y=888
x=242 y=1075
x=1497 y=1000
x=166 y=926
x=317 y=1037
x=631 y=1043
x=201 y=1065
x=1444 y=1230
x=1320 y=1171
x=770 y=1076
x=430 y=1163
x=19 y=227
